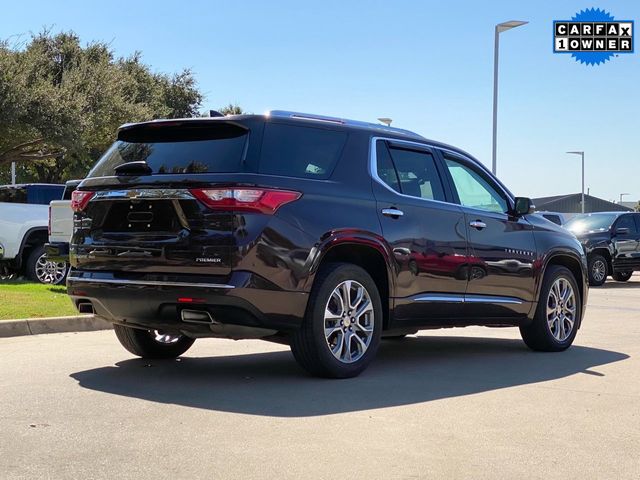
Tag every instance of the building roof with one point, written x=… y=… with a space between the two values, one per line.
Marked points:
x=571 y=204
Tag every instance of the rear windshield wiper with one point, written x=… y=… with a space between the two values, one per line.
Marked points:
x=133 y=168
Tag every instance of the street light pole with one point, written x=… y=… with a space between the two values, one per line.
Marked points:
x=501 y=27
x=582 y=156
x=13 y=173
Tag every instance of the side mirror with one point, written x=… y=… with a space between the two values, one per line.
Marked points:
x=622 y=231
x=524 y=206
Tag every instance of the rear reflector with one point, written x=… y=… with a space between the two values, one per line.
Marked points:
x=79 y=199
x=260 y=200
x=190 y=300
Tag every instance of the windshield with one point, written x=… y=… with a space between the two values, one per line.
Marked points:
x=598 y=222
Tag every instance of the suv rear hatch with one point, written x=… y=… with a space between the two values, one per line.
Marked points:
x=173 y=197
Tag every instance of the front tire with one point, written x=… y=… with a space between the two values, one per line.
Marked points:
x=152 y=343
x=598 y=270
x=557 y=316
x=340 y=333
x=622 y=276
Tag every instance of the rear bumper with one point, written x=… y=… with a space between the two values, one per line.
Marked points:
x=157 y=301
x=57 y=251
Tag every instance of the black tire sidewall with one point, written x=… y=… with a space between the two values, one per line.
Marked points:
x=315 y=319
x=622 y=276
x=592 y=259
x=32 y=260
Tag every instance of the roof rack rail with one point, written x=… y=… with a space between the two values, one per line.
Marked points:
x=342 y=121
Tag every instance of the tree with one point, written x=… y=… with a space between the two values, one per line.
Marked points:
x=232 y=109
x=61 y=103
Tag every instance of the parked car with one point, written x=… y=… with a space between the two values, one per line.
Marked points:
x=61 y=225
x=24 y=218
x=315 y=231
x=554 y=217
x=612 y=243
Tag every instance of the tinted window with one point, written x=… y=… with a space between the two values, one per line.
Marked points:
x=626 y=221
x=385 y=169
x=418 y=174
x=195 y=148
x=13 y=194
x=43 y=194
x=295 y=151
x=473 y=189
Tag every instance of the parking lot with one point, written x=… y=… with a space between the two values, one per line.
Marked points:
x=463 y=403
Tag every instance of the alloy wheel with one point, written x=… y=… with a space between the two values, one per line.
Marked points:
x=48 y=271
x=598 y=270
x=349 y=321
x=561 y=309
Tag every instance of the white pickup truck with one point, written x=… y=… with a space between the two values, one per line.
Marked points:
x=24 y=218
x=61 y=225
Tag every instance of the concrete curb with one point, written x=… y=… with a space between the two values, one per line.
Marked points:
x=38 y=326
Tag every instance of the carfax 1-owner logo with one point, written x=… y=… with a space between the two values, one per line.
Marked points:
x=593 y=36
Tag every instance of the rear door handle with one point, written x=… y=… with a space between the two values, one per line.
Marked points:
x=392 y=212
x=478 y=224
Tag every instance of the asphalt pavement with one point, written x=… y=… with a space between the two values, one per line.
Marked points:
x=457 y=403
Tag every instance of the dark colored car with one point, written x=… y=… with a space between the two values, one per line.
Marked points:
x=612 y=243
x=323 y=233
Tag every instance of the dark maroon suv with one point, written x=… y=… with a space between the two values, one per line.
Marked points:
x=323 y=233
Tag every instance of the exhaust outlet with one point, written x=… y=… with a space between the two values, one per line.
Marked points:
x=196 y=316
x=85 y=307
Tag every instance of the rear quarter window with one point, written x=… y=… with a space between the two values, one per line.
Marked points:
x=296 y=151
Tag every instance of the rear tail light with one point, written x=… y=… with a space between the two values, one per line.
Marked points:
x=49 y=224
x=260 y=200
x=79 y=199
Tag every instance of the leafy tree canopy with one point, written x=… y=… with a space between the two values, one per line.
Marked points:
x=61 y=103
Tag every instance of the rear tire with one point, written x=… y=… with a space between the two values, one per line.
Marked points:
x=151 y=343
x=340 y=333
x=598 y=270
x=39 y=269
x=557 y=316
x=622 y=276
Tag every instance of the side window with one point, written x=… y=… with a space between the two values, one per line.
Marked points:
x=626 y=221
x=417 y=174
x=473 y=190
x=385 y=169
x=303 y=152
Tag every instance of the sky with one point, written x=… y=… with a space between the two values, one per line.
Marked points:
x=428 y=65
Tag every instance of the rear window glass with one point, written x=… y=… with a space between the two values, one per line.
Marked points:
x=178 y=149
x=13 y=195
x=304 y=152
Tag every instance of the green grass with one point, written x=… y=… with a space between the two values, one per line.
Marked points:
x=28 y=300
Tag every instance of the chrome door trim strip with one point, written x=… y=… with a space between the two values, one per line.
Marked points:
x=155 y=283
x=492 y=299
x=456 y=298
x=440 y=297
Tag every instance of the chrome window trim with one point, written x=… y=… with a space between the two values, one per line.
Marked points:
x=155 y=283
x=373 y=168
x=459 y=298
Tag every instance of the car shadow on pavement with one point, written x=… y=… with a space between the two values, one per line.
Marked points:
x=413 y=370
